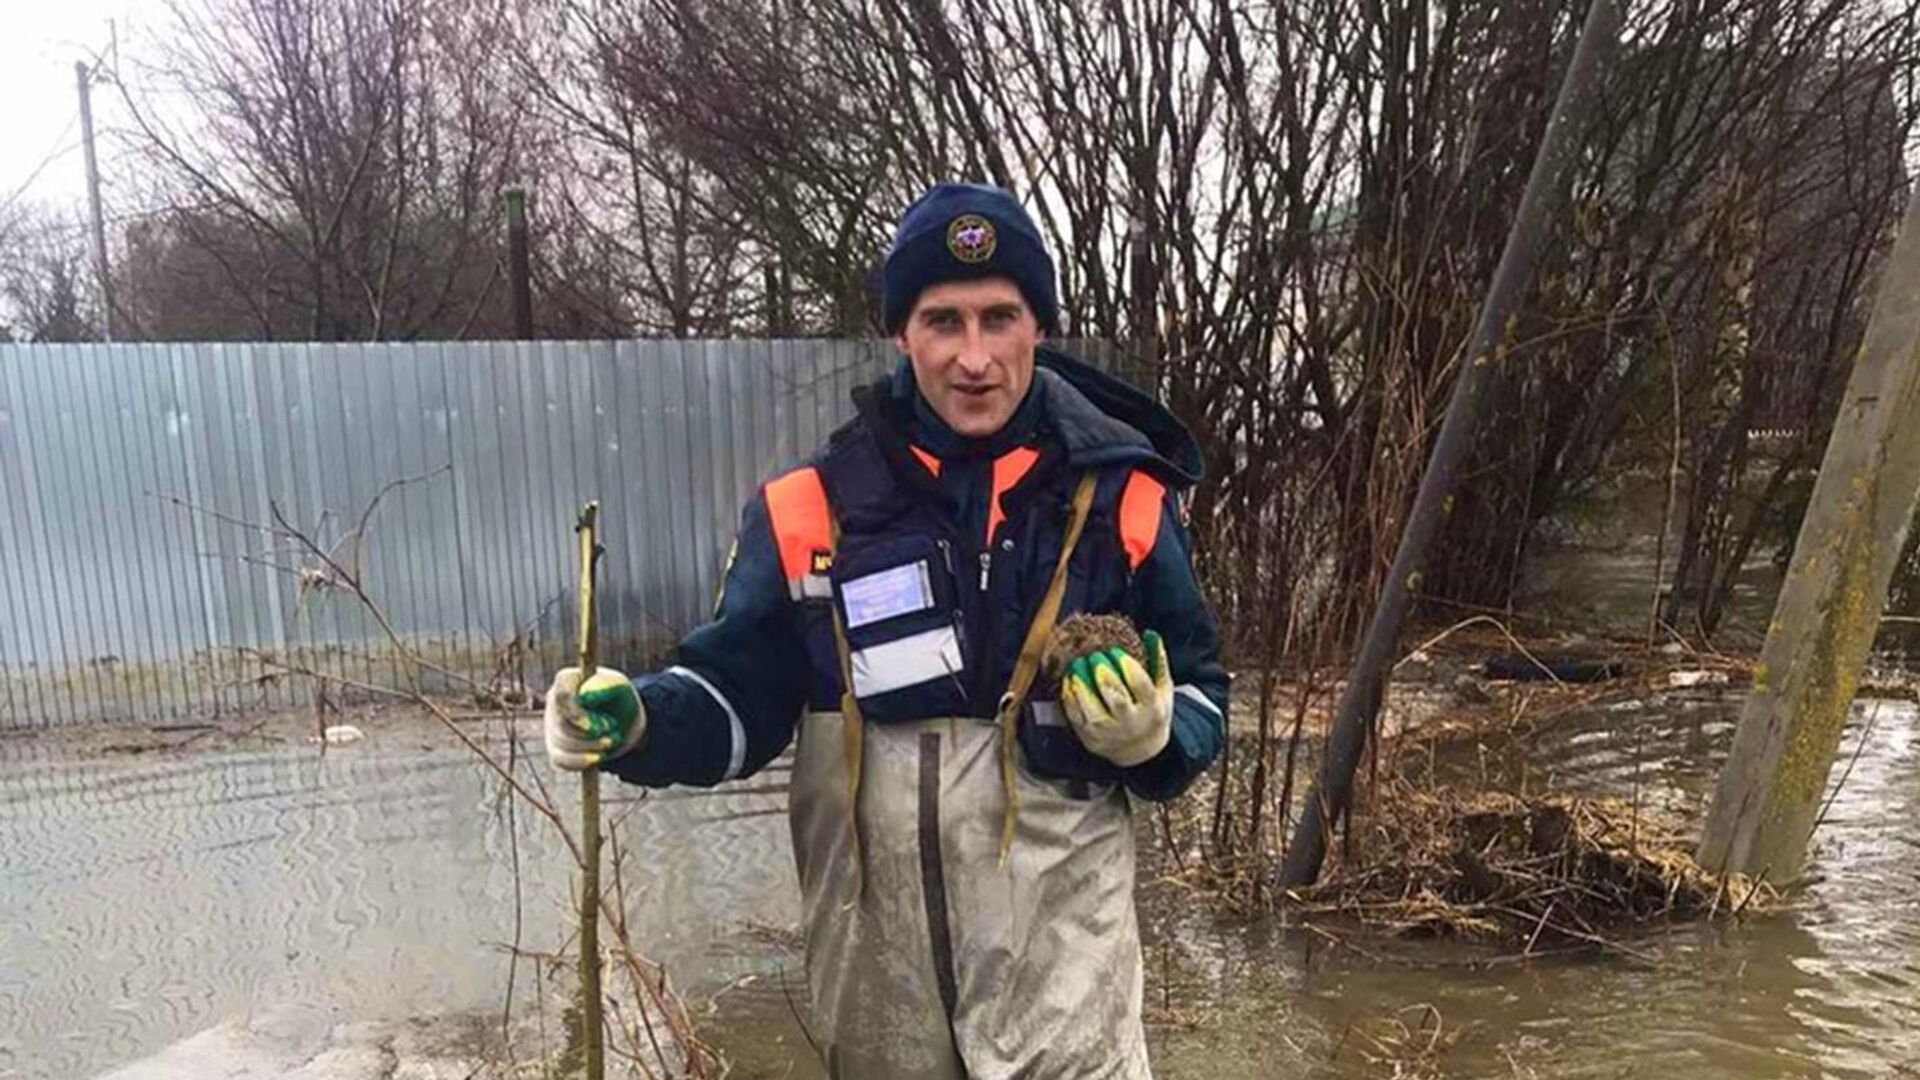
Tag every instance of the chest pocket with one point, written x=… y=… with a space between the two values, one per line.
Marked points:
x=896 y=602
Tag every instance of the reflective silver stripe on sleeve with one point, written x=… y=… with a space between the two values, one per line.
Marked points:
x=914 y=659
x=737 y=757
x=1188 y=690
x=810 y=587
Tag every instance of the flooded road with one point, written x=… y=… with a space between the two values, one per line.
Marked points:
x=1831 y=988
x=145 y=898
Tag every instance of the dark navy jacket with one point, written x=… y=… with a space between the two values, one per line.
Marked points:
x=941 y=560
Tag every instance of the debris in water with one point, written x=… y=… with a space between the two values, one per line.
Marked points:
x=1523 y=667
x=342 y=734
x=1468 y=690
x=1557 y=869
x=1677 y=680
x=1402 y=1050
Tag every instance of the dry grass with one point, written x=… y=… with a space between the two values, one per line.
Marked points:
x=1404 y=1045
x=1452 y=834
x=1522 y=871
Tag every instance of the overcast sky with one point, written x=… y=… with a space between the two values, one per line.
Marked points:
x=39 y=107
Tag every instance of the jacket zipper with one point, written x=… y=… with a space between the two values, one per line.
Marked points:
x=988 y=653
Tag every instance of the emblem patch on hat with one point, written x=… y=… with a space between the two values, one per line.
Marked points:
x=971 y=238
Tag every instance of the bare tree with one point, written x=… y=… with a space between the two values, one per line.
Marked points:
x=47 y=291
x=1288 y=213
x=334 y=174
x=1282 y=214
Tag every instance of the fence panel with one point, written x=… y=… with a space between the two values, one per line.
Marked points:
x=139 y=576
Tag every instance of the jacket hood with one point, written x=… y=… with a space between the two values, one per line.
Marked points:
x=1103 y=421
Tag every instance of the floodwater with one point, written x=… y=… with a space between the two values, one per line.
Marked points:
x=1831 y=988
x=145 y=898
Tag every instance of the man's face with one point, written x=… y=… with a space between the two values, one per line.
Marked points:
x=971 y=344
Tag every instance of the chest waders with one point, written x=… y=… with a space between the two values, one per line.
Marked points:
x=964 y=920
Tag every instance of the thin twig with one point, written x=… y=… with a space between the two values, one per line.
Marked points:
x=1673 y=494
x=1501 y=626
x=1866 y=732
x=328 y=568
x=366 y=516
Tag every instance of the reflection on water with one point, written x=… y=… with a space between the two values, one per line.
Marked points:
x=1828 y=990
x=143 y=900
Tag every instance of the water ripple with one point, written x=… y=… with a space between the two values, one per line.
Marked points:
x=142 y=900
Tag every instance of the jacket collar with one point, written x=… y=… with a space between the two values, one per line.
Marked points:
x=1093 y=419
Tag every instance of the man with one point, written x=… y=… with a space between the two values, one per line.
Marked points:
x=962 y=831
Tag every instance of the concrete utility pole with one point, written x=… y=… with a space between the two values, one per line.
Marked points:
x=83 y=75
x=519 y=272
x=1142 y=369
x=1360 y=703
x=1769 y=792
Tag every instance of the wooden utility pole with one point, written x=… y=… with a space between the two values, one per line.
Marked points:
x=83 y=76
x=1768 y=797
x=1360 y=703
x=519 y=268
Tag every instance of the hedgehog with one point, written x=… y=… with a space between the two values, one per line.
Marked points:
x=1078 y=635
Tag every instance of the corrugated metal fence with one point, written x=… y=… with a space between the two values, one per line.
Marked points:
x=138 y=577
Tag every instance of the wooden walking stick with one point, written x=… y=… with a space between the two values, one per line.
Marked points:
x=591 y=1031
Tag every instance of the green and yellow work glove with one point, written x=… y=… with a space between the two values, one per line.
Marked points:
x=590 y=724
x=1121 y=710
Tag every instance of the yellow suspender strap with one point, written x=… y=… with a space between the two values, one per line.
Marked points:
x=1032 y=651
x=1025 y=669
x=853 y=726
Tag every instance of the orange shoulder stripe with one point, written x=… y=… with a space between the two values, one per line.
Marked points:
x=797 y=510
x=1140 y=504
x=1008 y=469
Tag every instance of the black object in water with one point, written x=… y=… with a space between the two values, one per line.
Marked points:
x=1517 y=668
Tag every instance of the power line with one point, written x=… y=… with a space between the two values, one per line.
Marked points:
x=123 y=216
x=52 y=156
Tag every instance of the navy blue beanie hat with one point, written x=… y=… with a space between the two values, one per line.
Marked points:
x=960 y=232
